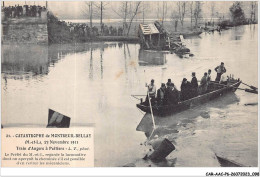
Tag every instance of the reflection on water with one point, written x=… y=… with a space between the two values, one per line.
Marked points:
x=149 y=57
x=16 y=62
x=92 y=84
x=172 y=123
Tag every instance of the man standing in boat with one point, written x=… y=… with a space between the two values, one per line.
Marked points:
x=208 y=78
x=170 y=83
x=203 y=84
x=152 y=92
x=194 y=85
x=172 y=95
x=185 y=90
x=161 y=94
x=220 y=70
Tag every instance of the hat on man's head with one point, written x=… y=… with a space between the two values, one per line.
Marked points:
x=184 y=79
x=163 y=85
x=152 y=81
x=169 y=80
x=193 y=73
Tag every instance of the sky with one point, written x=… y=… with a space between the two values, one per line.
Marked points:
x=77 y=9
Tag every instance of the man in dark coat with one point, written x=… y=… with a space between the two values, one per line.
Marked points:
x=172 y=95
x=203 y=84
x=194 y=85
x=161 y=94
x=185 y=90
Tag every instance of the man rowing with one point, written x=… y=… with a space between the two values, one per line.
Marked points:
x=152 y=92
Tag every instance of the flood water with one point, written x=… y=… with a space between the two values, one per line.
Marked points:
x=93 y=84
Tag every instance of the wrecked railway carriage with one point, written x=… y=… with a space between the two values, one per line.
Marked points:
x=154 y=37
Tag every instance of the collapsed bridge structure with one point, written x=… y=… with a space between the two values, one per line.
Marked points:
x=154 y=37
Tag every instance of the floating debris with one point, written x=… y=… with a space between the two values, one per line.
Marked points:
x=228 y=163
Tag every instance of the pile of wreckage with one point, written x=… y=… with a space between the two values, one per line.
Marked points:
x=154 y=37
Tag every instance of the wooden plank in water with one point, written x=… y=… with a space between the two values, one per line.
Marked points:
x=57 y=120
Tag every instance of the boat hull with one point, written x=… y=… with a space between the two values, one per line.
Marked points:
x=187 y=104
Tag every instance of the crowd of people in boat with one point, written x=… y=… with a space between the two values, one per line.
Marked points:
x=25 y=11
x=168 y=93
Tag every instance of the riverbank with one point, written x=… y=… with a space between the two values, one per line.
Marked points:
x=67 y=32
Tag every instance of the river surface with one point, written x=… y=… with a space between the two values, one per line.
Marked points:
x=93 y=84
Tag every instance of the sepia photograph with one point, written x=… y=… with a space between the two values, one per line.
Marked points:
x=161 y=83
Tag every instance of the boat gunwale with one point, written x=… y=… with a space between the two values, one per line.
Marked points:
x=189 y=100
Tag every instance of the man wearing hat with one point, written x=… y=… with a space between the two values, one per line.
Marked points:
x=185 y=89
x=194 y=85
x=220 y=70
x=161 y=94
x=169 y=83
x=203 y=84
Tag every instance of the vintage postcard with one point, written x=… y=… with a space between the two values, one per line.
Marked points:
x=129 y=84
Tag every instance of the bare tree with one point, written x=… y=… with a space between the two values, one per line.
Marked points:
x=101 y=6
x=164 y=11
x=128 y=10
x=212 y=8
x=253 y=11
x=182 y=11
x=158 y=9
x=175 y=19
x=123 y=13
x=197 y=12
x=88 y=11
x=145 y=6
x=133 y=12
x=191 y=14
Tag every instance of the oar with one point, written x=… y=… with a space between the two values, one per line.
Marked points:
x=251 y=91
x=252 y=87
x=138 y=95
x=151 y=109
x=247 y=90
x=135 y=96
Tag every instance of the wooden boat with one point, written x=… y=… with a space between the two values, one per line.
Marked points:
x=215 y=90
